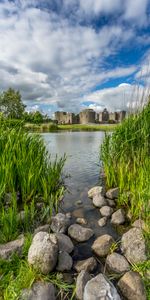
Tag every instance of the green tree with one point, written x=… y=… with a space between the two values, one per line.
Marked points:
x=37 y=117
x=11 y=104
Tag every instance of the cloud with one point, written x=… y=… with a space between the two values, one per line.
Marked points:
x=52 y=58
x=124 y=96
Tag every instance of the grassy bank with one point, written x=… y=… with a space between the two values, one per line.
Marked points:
x=88 y=127
x=50 y=127
x=126 y=160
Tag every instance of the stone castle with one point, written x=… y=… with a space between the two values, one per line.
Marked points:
x=89 y=116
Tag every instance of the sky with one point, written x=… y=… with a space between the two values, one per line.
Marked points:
x=68 y=55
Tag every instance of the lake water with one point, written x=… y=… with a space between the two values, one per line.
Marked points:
x=84 y=167
x=82 y=164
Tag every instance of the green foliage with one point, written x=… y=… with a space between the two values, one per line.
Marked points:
x=126 y=159
x=26 y=167
x=11 y=104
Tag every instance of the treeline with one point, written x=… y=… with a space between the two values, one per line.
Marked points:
x=12 y=108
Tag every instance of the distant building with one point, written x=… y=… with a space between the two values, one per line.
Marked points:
x=87 y=116
x=66 y=118
x=104 y=116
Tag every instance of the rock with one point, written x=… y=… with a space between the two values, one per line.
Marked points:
x=102 y=245
x=79 y=233
x=96 y=190
x=60 y=223
x=100 y=288
x=111 y=202
x=133 y=246
x=106 y=211
x=78 y=202
x=139 y=224
x=99 y=201
x=112 y=193
x=39 y=291
x=132 y=287
x=44 y=228
x=78 y=213
x=82 y=280
x=102 y=221
x=68 y=278
x=64 y=262
x=43 y=252
x=8 y=249
x=88 y=265
x=68 y=215
x=118 y=217
x=81 y=221
x=117 y=263
x=64 y=243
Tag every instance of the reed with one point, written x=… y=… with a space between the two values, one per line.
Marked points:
x=126 y=160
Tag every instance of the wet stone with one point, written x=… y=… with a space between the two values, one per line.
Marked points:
x=133 y=246
x=82 y=280
x=102 y=245
x=60 y=223
x=39 y=291
x=132 y=287
x=44 y=228
x=117 y=263
x=102 y=222
x=99 y=201
x=8 y=249
x=88 y=265
x=79 y=233
x=96 y=190
x=64 y=262
x=106 y=211
x=112 y=193
x=118 y=217
x=100 y=288
x=81 y=221
x=111 y=203
x=64 y=243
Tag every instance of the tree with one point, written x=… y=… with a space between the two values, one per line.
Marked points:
x=37 y=117
x=11 y=104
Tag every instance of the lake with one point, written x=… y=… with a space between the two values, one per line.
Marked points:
x=83 y=165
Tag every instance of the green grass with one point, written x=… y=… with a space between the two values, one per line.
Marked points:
x=88 y=127
x=27 y=176
x=45 y=127
x=126 y=161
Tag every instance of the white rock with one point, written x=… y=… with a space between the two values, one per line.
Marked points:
x=96 y=190
x=43 y=252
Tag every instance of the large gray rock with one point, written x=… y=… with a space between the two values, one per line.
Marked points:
x=88 y=265
x=99 y=201
x=111 y=203
x=44 y=228
x=60 y=223
x=64 y=262
x=117 y=263
x=82 y=280
x=106 y=211
x=43 y=252
x=8 y=249
x=118 y=217
x=133 y=246
x=102 y=221
x=139 y=224
x=64 y=243
x=79 y=233
x=102 y=245
x=132 y=287
x=100 y=288
x=39 y=291
x=112 y=193
x=96 y=190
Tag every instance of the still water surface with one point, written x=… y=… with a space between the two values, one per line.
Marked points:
x=82 y=164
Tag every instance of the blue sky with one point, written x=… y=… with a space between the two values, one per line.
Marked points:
x=72 y=54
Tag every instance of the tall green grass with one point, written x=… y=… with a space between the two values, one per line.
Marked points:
x=126 y=160
x=27 y=176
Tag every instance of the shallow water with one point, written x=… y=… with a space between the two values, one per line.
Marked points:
x=84 y=167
